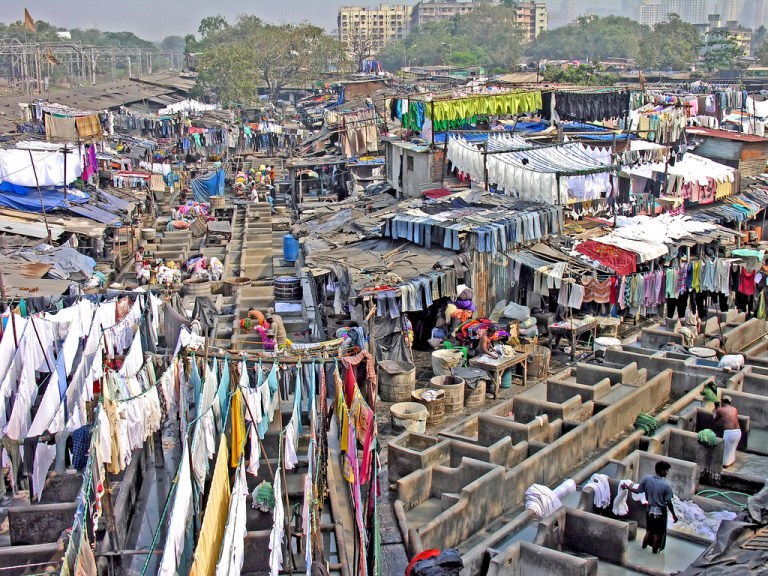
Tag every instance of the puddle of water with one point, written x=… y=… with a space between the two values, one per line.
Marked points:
x=606 y=569
x=424 y=513
x=677 y=556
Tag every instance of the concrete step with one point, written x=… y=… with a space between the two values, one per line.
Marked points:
x=257 y=292
x=260 y=303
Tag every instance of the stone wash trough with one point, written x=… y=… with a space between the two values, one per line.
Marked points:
x=464 y=487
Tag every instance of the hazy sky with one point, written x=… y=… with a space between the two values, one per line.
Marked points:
x=154 y=19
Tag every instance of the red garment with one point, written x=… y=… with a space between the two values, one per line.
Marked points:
x=747 y=282
x=350 y=385
x=614 y=298
x=621 y=261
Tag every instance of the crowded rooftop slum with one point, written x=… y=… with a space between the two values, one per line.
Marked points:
x=359 y=322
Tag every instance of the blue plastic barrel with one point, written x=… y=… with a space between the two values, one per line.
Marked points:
x=290 y=248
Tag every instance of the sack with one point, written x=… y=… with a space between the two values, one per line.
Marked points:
x=516 y=312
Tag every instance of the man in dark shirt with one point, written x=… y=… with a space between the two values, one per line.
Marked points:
x=658 y=493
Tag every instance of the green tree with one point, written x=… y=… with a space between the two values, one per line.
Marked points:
x=212 y=26
x=758 y=37
x=590 y=38
x=582 y=75
x=240 y=58
x=722 y=52
x=489 y=36
x=174 y=44
x=671 y=45
x=761 y=53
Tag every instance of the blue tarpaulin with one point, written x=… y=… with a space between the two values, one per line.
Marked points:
x=212 y=184
x=28 y=200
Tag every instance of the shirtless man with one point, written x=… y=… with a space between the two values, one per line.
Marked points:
x=485 y=344
x=728 y=417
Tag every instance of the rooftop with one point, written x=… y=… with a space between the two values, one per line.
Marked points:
x=726 y=135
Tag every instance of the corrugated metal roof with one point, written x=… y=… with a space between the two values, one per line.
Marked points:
x=94 y=213
x=23 y=268
x=20 y=287
x=27 y=228
x=726 y=135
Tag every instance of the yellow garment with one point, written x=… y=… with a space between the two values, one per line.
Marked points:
x=498 y=104
x=723 y=190
x=238 y=428
x=215 y=517
x=696 y=279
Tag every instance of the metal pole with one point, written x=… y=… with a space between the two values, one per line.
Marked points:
x=40 y=193
x=10 y=309
x=66 y=152
x=433 y=123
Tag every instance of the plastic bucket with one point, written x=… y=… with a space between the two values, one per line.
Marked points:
x=290 y=248
x=506 y=380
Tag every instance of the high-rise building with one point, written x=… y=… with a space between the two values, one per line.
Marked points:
x=533 y=18
x=754 y=13
x=655 y=11
x=729 y=10
x=369 y=29
x=651 y=12
x=691 y=11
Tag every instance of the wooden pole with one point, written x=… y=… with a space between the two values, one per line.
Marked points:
x=40 y=193
x=485 y=166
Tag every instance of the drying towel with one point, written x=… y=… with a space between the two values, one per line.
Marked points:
x=541 y=501
x=88 y=126
x=59 y=128
x=620 y=507
x=599 y=483
x=731 y=439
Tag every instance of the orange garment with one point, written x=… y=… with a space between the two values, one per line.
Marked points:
x=238 y=428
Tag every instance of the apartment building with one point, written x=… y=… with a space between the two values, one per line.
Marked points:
x=435 y=11
x=373 y=26
x=533 y=18
x=654 y=11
